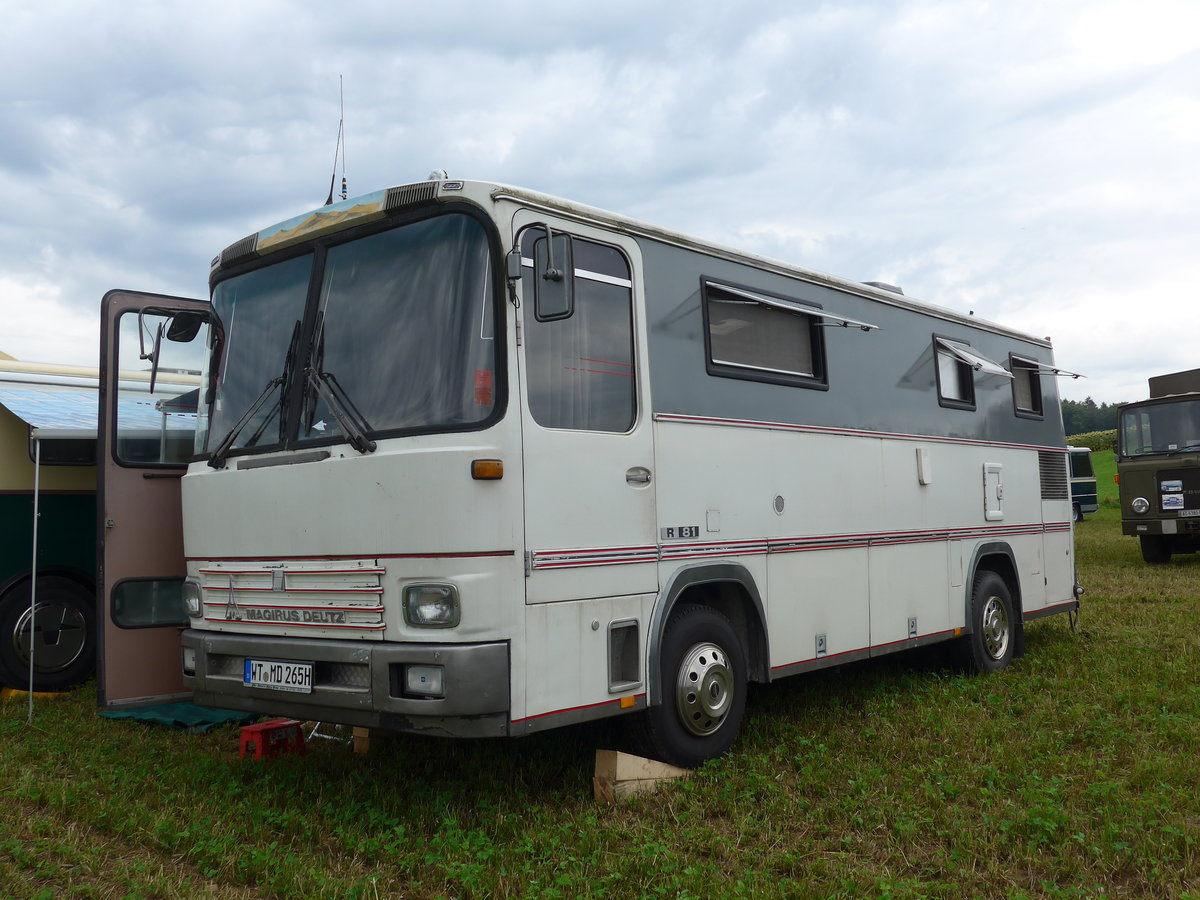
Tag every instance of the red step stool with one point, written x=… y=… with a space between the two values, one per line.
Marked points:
x=272 y=738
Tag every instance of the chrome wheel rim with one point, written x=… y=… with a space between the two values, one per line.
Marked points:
x=995 y=628
x=704 y=689
x=59 y=634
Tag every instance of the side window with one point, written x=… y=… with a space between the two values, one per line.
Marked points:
x=579 y=350
x=148 y=602
x=156 y=427
x=1027 y=387
x=955 y=376
x=760 y=337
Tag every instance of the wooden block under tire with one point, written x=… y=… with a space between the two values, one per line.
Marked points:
x=620 y=775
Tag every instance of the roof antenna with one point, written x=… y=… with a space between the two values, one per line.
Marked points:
x=339 y=147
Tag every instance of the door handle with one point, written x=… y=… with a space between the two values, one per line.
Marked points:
x=637 y=475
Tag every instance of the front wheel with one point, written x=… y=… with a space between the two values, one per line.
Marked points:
x=1156 y=549
x=702 y=671
x=989 y=646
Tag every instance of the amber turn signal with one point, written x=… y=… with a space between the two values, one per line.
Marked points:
x=487 y=469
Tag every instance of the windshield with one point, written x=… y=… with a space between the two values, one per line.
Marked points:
x=1160 y=428
x=258 y=313
x=405 y=330
x=400 y=340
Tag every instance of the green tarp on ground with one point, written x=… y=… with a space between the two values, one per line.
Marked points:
x=182 y=715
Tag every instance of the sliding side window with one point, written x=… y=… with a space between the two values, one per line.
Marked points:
x=1027 y=388
x=761 y=337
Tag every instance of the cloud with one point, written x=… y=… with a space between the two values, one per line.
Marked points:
x=1028 y=161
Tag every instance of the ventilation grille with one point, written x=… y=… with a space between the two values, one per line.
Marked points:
x=1052 y=467
x=410 y=195
x=243 y=249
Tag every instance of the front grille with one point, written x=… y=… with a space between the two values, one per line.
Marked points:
x=314 y=598
x=342 y=675
x=228 y=666
x=1052 y=469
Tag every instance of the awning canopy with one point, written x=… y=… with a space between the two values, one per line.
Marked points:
x=57 y=412
x=53 y=411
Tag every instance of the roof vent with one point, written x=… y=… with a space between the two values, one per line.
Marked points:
x=884 y=286
x=241 y=250
x=409 y=195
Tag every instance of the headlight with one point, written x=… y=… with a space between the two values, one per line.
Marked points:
x=431 y=605
x=191 y=598
x=1140 y=505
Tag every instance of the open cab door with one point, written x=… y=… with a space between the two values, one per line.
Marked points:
x=151 y=353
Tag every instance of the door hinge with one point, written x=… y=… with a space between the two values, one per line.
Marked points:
x=518 y=332
x=528 y=563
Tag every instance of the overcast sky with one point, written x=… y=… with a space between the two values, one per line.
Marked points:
x=1034 y=161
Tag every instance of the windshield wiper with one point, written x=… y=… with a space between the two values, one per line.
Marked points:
x=217 y=459
x=354 y=424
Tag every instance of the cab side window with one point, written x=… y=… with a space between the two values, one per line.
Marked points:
x=579 y=339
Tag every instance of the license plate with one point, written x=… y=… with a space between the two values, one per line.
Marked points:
x=278 y=675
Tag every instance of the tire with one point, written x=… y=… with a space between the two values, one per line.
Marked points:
x=64 y=652
x=1156 y=549
x=1078 y=512
x=702 y=670
x=989 y=646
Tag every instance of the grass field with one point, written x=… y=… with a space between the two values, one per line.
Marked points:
x=1072 y=774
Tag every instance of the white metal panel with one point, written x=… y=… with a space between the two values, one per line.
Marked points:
x=813 y=593
x=910 y=581
x=566 y=653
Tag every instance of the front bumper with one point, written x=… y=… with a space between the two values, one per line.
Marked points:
x=359 y=683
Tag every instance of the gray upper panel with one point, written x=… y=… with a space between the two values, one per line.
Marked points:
x=880 y=380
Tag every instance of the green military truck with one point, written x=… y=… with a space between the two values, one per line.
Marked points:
x=1158 y=467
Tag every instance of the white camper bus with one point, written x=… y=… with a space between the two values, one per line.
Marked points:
x=476 y=461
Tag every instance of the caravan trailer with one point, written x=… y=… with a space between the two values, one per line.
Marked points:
x=48 y=443
x=47 y=465
x=476 y=461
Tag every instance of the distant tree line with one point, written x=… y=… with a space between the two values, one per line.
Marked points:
x=1080 y=417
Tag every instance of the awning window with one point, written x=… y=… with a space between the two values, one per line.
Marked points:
x=973 y=358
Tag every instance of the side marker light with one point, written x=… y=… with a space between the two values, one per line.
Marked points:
x=487 y=469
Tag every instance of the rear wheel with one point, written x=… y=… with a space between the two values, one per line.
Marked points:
x=989 y=646
x=703 y=677
x=1078 y=512
x=1156 y=549
x=62 y=631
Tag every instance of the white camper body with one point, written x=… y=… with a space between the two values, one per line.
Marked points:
x=519 y=463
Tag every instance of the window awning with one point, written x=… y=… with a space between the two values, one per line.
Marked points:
x=973 y=358
x=829 y=316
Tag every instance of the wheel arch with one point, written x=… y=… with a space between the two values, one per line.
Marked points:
x=998 y=557
x=83 y=579
x=728 y=588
